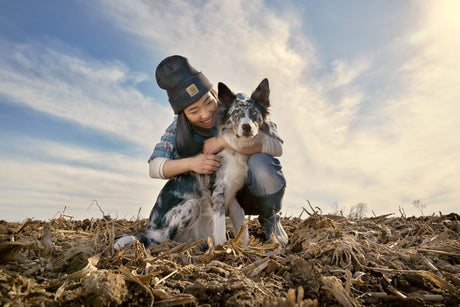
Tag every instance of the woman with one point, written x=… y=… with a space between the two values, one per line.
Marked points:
x=190 y=145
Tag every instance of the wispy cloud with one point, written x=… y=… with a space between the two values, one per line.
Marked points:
x=368 y=128
x=232 y=41
x=351 y=133
x=404 y=148
x=101 y=95
x=63 y=82
x=62 y=175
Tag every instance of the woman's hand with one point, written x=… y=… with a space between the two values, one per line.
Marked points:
x=205 y=164
x=213 y=145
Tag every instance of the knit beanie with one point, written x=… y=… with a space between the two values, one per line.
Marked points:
x=183 y=83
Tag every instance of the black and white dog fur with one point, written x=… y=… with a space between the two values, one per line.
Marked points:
x=192 y=207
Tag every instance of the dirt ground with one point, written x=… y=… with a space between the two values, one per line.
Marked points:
x=331 y=260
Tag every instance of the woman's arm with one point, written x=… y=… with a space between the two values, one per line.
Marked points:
x=250 y=150
x=270 y=145
x=167 y=168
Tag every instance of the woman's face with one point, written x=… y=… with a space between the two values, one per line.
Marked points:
x=202 y=114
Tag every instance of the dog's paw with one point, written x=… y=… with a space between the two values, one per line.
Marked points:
x=120 y=243
x=220 y=240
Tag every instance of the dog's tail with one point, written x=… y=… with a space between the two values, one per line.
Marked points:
x=147 y=237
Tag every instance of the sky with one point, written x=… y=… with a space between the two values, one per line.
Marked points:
x=365 y=94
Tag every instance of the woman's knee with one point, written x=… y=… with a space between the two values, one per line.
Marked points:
x=265 y=176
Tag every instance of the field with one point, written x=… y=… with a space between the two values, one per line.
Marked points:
x=331 y=260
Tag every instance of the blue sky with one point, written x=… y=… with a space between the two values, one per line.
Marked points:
x=365 y=95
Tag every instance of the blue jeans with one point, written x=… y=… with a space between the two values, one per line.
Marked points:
x=264 y=187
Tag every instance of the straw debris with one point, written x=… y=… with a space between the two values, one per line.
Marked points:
x=330 y=260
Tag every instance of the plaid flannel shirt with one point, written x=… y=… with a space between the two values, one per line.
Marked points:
x=166 y=147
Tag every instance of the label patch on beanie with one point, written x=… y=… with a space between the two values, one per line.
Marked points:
x=192 y=90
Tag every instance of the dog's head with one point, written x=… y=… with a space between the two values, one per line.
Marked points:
x=245 y=116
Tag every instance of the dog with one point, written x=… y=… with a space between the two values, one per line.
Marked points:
x=192 y=207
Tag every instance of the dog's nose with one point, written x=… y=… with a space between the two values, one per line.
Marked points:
x=246 y=128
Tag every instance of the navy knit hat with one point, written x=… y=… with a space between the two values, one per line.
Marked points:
x=183 y=83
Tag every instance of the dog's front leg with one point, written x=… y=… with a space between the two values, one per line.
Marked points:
x=218 y=199
x=237 y=216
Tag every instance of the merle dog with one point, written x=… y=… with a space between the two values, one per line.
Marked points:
x=191 y=206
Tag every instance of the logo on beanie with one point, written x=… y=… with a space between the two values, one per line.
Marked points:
x=192 y=90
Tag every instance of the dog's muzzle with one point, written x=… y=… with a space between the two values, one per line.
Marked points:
x=247 y=130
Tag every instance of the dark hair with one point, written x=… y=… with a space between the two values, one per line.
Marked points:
x=186 y=146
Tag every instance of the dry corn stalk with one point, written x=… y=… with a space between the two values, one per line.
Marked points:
x=334 y=285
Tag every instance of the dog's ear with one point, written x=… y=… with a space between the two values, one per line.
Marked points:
x=225 y=95
x=261 y=93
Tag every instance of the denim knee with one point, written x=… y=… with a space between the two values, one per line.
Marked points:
x=264 y=175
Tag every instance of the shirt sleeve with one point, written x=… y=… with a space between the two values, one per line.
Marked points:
x=272 y=144
x=156 y=167
x=166 y=147
x=274 y=132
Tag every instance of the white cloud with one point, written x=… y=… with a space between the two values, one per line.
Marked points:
x=389 y=155
x=72 y=177
x=232 y=41
x=66 y=84
x=411 y=150
x=37 y=173
x=345 y=141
